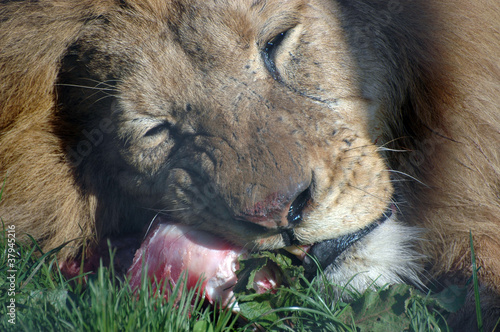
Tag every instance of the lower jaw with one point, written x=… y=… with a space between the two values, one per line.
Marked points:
x=326 y=252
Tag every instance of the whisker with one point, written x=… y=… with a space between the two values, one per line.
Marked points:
x=102 y=98
x=98 y=89
x=358 y=147
x=392 y=141
x=373 y=195
x=103 y=82
x=158 y=213
x=398 y=180
x=383 y=148
x=150 y=225
x=396 y=204
x=407 y=175
x=166 y=211
x=86 y=87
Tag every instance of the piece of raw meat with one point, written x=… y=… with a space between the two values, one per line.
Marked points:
x=171 y=249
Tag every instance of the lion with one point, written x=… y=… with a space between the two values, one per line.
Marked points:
x=366 y=131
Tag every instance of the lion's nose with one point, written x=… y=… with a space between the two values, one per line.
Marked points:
x=295 y=211
x=279 y=210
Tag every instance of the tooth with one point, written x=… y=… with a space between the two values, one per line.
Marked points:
x=299 y=251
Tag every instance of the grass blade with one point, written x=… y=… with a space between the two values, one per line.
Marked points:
x=476 y=286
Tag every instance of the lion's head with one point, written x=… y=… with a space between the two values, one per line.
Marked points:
x=266 y=123
x=250 y=123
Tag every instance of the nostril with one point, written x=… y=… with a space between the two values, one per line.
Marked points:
x=282 y=210
x=294 y=215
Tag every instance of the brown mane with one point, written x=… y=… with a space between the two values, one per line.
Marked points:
x=36 y=173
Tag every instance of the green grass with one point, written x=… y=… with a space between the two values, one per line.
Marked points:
x=46 y=301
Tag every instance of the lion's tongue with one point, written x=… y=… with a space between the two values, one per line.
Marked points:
x=171 y=249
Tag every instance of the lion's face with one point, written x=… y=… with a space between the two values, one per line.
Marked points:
x=245 y=120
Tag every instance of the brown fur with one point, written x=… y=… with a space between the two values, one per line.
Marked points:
x=193 y=124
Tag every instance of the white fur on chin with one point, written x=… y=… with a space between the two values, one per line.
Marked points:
x=385 y=256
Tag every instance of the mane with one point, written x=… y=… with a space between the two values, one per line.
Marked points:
x=33 y=39
x=458 y=157
x=436 y=71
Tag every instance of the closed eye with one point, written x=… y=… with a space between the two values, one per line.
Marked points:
x=269 y=54
x=158 y=129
